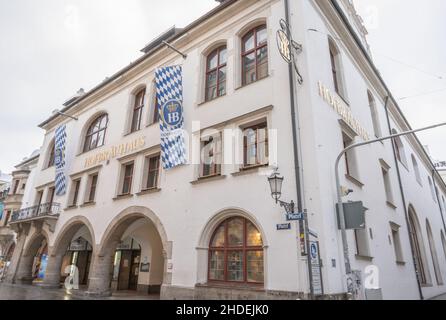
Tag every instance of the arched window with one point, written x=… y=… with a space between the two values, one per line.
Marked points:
x=443 y=242
x=336 y=68
x=95 y=136
x=216 y=73
x=374 y=114
x=254 y=55
x=236 y=253
x=399 y=149
x=416 y=169
x=431 y=186
x=138 y=107
x=418 y=248
x=434 y=255
x=51 y=155
x=154 y=108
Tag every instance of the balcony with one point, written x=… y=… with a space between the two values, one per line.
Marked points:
x=46 y=211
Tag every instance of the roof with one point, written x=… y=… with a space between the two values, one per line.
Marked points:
x=149 y=50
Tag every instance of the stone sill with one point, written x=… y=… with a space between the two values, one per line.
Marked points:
x=211 y=100
x=88 y=204
x=208 y=178
x=235 y=286
x=148 y=191
x=249 y=170
x=241 y=86
x=401 y=263
x=361 y=257
x=123 y=196
x=391 y=205
x=354 y=181
x=71 y=208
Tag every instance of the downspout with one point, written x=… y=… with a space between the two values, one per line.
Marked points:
x=297 y=165
x=403 y=198
x=438 y=198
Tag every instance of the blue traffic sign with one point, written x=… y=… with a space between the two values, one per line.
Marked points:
x=295 y=216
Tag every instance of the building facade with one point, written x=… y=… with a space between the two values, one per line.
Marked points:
x=209 y=229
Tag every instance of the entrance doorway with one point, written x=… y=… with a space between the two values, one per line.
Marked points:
x=40 y=262
x=126 y=265
x=79 y=255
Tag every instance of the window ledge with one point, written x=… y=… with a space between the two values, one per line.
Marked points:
x=391 y=205
x=208 y=178
x=363 y=257
x=148 y=191
x=232 y=286
x=152 y=124
x=211 y=100
x=400 y=263
x=354 y=181
x=123 y=196
x=427 y=285
x=70 y=208
x=131 y=132
x=249 y=170
x=88 y=204
x=247 y=85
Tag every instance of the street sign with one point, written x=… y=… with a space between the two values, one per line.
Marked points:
x=284 y=226
x=295 y=216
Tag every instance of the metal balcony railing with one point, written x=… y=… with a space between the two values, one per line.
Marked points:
x=44 y=210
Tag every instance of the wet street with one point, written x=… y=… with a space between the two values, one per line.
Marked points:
x=27 y=292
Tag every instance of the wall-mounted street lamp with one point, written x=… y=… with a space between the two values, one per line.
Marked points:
x=57 y=111
x=275 y=184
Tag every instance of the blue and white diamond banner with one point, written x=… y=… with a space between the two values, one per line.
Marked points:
x=169 y=93
x=59 y=160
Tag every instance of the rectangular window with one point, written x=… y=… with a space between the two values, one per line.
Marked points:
x=397 y=243
x=75 y=195
x=211 y=156
x=387 y=184
x=16 y=186
x=255 y=145
x=153 y=169
x=362 y=242
x=351 y=164
x=128 y=177
x=92 y=190
x=51 y=192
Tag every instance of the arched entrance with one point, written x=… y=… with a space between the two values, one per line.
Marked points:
x=422 y=268
x=132 y=255
x=71 y=255
x=33 y=263
x=6 y=261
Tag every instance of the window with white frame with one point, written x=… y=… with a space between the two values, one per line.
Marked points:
x=399 y=149
x=431 y=186
x=126 y=178
x=91 y=188
x=74 y=194
x=362 y=242
x=151 y=172
x=416 y=169
x=351 y=162
x=211 y=151
x=255 y=145
x=396 y=240
x=434 y=255
x=374 y=114
x=336 y=70
x=385 y=168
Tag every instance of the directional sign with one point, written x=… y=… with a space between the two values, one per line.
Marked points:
x=284 y=226
x=295 y=216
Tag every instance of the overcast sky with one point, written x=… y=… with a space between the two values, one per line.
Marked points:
x=51 y=48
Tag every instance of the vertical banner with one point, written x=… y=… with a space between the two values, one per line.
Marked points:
x=169 y=94
x=59 y=160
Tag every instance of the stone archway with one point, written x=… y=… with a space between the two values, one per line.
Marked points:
x=60 y=247
x=102 y=271
x=27 y=260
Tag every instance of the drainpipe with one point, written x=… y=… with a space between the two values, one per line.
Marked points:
x=297 y=165
x=403 y=198
x=438 y=198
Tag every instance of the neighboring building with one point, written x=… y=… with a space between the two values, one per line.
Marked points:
x=5 y=182
x=209 y=230
x=441 y=168
x=13 y=200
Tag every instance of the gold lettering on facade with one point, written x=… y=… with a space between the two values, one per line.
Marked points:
x=115 y=151
x=343 y=110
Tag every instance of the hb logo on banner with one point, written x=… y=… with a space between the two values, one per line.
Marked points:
x=169 y=93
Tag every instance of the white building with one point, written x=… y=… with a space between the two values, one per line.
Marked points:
x=199 y=231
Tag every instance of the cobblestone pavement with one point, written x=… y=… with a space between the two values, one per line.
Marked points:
x=29 y=292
